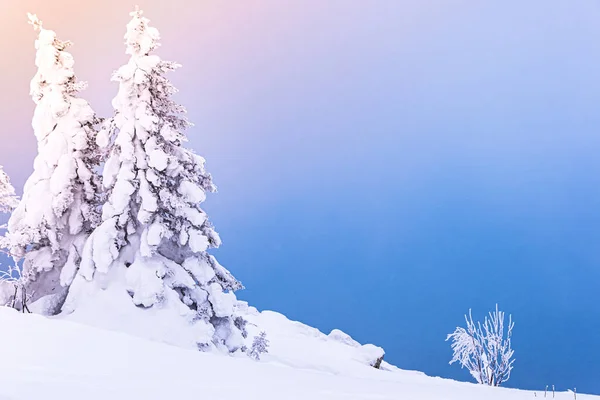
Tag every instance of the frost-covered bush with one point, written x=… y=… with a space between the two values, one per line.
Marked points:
x=483 y=349
x=12 y=291
x=260 y=345
x=9 y=277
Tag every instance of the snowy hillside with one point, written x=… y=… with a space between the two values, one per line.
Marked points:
x=57 y=359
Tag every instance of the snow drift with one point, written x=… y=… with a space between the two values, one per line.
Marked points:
x=51 y=358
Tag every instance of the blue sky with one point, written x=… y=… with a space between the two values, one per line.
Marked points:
x=385 y=166
x=411 y=173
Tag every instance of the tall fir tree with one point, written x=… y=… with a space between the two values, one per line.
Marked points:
x=60 y=203
x=154 y=235
x=8 y=198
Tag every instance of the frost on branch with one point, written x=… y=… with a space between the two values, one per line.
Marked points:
x=8 y=198
x=483 y=349
x=154 y=236
x=59 y=207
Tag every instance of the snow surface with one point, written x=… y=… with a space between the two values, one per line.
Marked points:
x=50 y=358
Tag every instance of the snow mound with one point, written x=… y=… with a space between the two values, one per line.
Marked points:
x=343 y=337
x=111 y=308
x=298 y=345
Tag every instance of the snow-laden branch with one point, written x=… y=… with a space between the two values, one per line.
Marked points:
x=34 y=21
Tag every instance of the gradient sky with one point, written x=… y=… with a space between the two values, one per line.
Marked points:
x=383 y=166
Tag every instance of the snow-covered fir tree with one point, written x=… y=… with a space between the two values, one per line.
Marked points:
x=59 y=207
x=154 y=236
x=8 y=198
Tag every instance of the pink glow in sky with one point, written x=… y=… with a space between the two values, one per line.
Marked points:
x=232 y=52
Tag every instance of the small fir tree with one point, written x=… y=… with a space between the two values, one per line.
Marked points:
x=260 y=345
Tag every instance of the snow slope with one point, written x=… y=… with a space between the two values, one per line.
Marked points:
x=46 y=358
